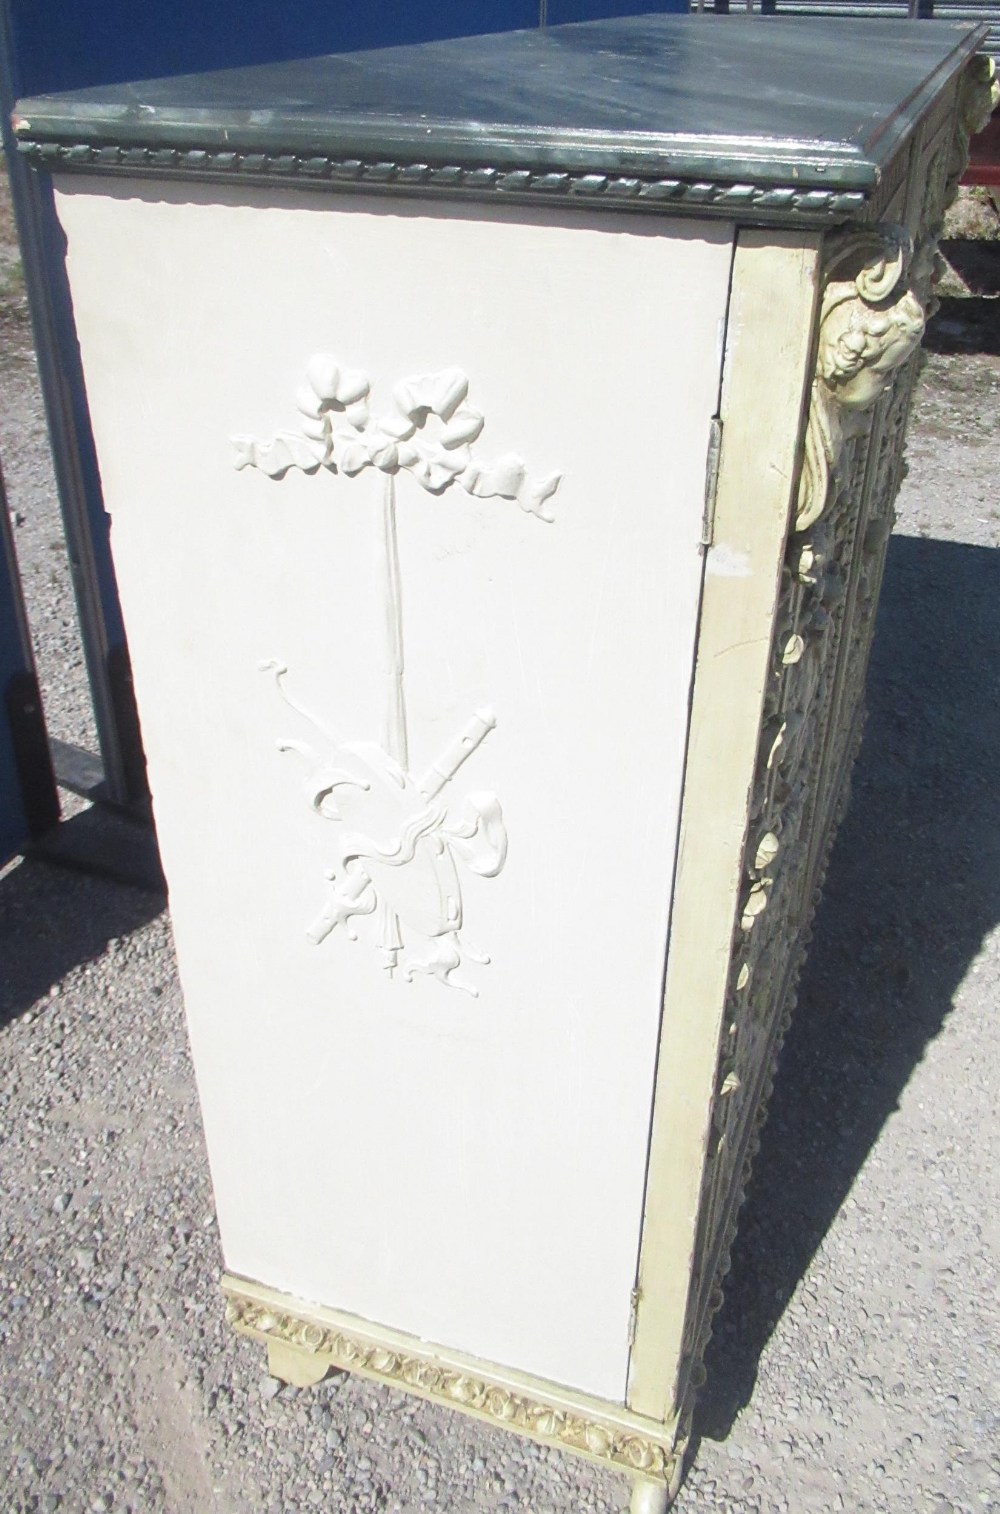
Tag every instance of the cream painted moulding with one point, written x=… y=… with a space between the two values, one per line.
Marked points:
x=556 y=532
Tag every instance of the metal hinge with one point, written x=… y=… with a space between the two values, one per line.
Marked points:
x=711 y=479
x=633 y=1314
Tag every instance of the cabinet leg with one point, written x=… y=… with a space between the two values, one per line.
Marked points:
x=294 y=1365
x=649 y=1498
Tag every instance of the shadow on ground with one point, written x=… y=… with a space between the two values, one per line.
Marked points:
x=54 y=918
x=914 y=886
x=969 y=322
x=965 y=323
x=977 y=262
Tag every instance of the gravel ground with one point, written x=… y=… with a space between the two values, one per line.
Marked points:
x=856 y=1365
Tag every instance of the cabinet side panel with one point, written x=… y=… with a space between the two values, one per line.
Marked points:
x=466 y=1166
x=768 y=348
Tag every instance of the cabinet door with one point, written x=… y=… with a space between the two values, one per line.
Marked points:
x=407 y=507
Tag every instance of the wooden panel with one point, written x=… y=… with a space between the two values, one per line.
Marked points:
x=467 y=1169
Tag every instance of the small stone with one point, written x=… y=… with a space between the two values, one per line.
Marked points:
x=270 y=1387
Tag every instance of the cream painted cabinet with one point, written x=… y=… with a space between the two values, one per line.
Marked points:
x=500 y=440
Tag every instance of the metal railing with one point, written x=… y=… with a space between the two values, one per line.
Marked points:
x=983 y=12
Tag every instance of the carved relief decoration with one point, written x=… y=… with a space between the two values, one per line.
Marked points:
x=626 y=1449
x=399 y=839
x=877 y=295
x=978 y=98
x=640 y=191
x=870 y=322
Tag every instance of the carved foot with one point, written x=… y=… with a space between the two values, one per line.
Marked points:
x=649 y=1498
x=294 y=1365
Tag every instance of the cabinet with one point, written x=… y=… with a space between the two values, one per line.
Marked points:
x=500 y=439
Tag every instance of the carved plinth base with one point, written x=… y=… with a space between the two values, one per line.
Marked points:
x=305 y=1342
x=302 y=1367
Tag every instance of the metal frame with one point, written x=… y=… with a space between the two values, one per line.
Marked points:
x=76 y=473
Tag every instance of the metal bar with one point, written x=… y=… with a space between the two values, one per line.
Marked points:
x=63 y=393
x=77 y=770
x=29 y=803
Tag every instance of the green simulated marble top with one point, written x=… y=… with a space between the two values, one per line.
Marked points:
x=785 y=116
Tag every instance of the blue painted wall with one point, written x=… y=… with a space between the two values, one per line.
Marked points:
x=64 y=44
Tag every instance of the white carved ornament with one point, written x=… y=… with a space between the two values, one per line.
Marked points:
x=871 y=320
x=398 y=843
